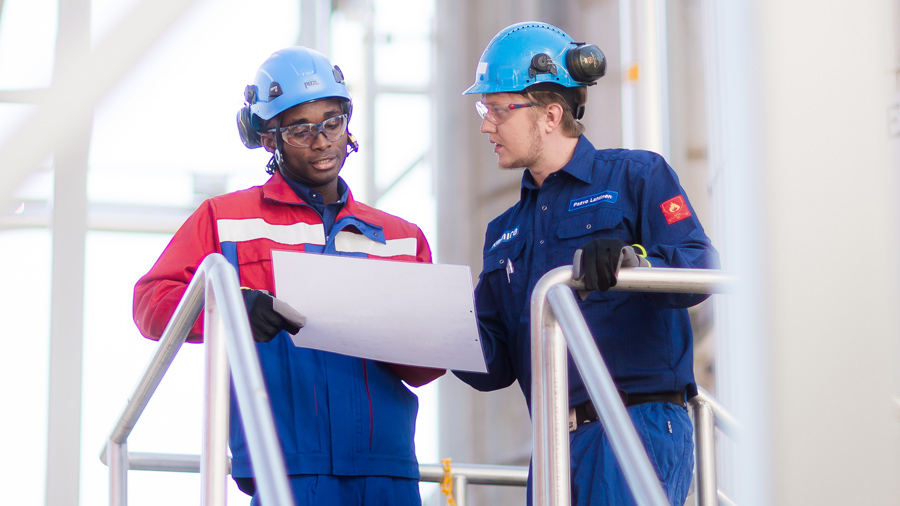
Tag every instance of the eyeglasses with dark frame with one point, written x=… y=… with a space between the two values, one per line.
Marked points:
x=498 y=113
x=303 y=135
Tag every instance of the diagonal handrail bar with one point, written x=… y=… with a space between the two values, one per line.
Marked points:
x=557 y=315
x=228 y=338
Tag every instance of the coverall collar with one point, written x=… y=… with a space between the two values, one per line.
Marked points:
x=580 y=166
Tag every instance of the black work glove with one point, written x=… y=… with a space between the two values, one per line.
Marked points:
x=600 y=262
x=269 y=316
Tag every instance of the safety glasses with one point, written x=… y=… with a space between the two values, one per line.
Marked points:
x=498 y=113
x=304 y=134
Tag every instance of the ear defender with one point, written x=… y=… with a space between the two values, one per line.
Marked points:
x=247 y=123
x=586 y=63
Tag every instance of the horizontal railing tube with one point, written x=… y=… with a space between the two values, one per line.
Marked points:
x=667 y=280
x=478 y=474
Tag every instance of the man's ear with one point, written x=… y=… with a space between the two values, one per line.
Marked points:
x=268 y=141
x=553 y=116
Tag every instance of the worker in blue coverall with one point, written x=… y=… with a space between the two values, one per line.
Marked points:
x=346 y=425
x=620 y=208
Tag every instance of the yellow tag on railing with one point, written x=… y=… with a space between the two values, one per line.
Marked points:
x=447 y=484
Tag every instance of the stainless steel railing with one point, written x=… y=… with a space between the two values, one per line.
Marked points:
x=463 y=475
x=555 y=321
x=709 y=415
x=229 y=345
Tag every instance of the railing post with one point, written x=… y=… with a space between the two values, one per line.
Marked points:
x=705 y=450
x=214 y=460
x=549 y=398
x=117 y=461
x=266 y=453
x=460 y=489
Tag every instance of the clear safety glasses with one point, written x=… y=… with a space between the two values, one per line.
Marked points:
x=304 y=134
x=498 y=113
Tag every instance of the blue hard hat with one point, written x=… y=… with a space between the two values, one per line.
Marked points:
x=293 y=76
x=529 y=53
x=290 y=77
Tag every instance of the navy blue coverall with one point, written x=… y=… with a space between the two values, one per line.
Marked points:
x=645 y=339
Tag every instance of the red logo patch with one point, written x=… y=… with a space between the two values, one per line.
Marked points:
x=675 y=209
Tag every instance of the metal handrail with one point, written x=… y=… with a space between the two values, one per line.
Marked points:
x=226 y=326
x=478 y=474
x=556 y=320
x=708 y=416
x=463 y=474
x=725 y=421
x=228 y=342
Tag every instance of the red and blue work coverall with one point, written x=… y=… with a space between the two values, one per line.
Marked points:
x=335 y=414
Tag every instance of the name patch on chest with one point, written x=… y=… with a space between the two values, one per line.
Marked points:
x=607 y=197
x=506 y=237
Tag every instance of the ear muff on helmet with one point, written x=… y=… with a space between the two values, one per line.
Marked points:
x=586 y=63
x=247 y=122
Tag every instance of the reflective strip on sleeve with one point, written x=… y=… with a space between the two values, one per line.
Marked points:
x=257 y=228
x=349 y=242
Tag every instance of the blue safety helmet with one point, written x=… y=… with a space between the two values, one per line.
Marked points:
x=530 y=53
x=289 y=77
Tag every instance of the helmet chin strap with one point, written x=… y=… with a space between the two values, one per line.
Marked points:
x=276 y=163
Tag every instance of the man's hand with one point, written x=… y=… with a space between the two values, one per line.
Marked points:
x=269 y=316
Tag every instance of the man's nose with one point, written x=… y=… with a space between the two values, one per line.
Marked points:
x=487 y=126
x=320 y=142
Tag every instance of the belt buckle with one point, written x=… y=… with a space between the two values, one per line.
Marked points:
x=573 y=420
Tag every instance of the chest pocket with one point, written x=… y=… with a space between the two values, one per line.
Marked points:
x=498 y=258
x=576 y=231
x=508 y=283
x=254 y=261
x=606 y=222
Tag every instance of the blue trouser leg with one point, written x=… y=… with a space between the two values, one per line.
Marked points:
x=322 y=490
x=597 y=478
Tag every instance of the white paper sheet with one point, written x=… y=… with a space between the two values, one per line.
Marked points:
x=400 y=312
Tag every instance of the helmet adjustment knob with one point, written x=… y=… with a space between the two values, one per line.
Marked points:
x=542 y=64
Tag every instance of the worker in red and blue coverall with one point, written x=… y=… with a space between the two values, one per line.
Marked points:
x=621 y=208
x=346 y=424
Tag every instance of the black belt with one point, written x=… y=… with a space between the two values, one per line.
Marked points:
x=585 y=412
